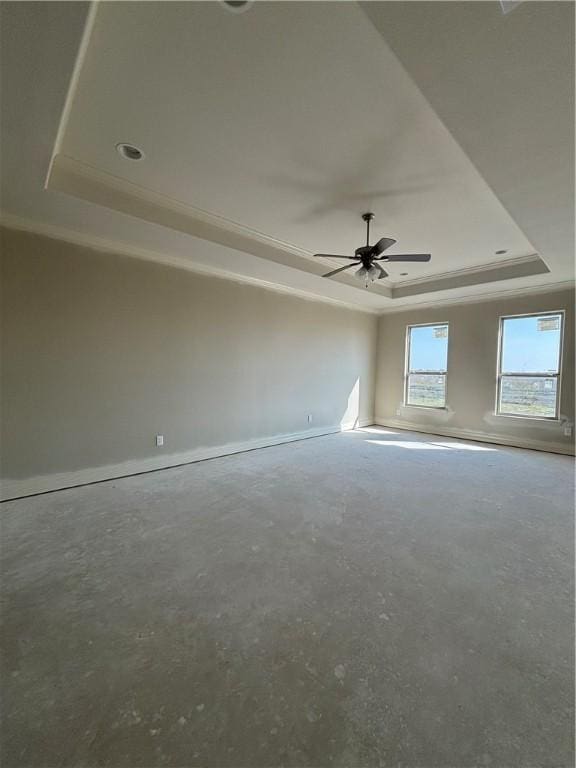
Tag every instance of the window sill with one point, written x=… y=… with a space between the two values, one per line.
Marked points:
x=547 y=419
x=427 y=407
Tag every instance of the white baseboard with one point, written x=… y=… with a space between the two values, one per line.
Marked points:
x=482 y=437
x=16 y=489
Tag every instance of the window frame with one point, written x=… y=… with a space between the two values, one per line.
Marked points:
x=407 y=370
x=557 y=375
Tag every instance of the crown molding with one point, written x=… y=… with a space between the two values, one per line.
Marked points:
x=83 y=180
x=98 y=187
x=521 y=266
x=101 y=188
x=471 y=270
x=73 y=84
x=55 y=232
x=120 y=248
x=561 y=285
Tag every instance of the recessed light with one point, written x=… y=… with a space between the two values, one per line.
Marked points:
x=129 y=151
x=501 y=252
x=237 y=6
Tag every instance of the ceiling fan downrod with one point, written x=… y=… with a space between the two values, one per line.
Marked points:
x=367 y=218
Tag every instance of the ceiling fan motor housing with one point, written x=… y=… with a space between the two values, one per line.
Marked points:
x=365 y=255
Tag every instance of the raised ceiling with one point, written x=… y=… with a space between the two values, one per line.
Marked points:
x=504 y=88
x=266 y=134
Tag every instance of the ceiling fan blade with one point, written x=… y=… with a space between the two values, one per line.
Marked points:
x=341 y=269
x=382 y=245
x=331 y=256
x=383 y=272
x=408 y=257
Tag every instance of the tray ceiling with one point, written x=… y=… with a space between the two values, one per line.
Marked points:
x=266 y=135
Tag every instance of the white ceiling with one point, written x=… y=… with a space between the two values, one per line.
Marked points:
x=268 y=133
x=504 y=88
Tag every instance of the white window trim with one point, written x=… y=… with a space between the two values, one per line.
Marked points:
x=557 y=376
x=407 y=372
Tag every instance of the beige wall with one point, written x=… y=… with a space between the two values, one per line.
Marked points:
x=101 y=352
x=471 y=385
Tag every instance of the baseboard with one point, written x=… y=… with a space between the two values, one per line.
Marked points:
x=15 y=489
x=482 y=437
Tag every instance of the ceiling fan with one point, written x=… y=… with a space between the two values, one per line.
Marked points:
x=368 y=254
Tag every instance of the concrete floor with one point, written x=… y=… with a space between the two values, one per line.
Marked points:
x=362 y=599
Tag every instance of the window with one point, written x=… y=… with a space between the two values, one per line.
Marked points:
x=426 y=365
x=529 y=365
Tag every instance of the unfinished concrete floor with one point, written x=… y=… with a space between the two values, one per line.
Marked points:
x=361 y=599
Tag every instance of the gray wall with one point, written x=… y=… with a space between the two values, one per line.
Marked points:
x=102 y=352
x=472 y=360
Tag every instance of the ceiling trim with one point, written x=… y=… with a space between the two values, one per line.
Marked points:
x=526 y=266
x=88 y=183
x=561 y=285
x=67 y=171
x=81 y=180
x=73 y=84
x=98 y=187
x=473 y=269
x=120 y=248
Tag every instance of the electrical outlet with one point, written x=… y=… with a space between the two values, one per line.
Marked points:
x=568 y=430
x=309 y=418
x=159 y=441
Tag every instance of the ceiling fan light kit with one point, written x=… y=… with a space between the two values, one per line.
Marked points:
x=367 y=255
